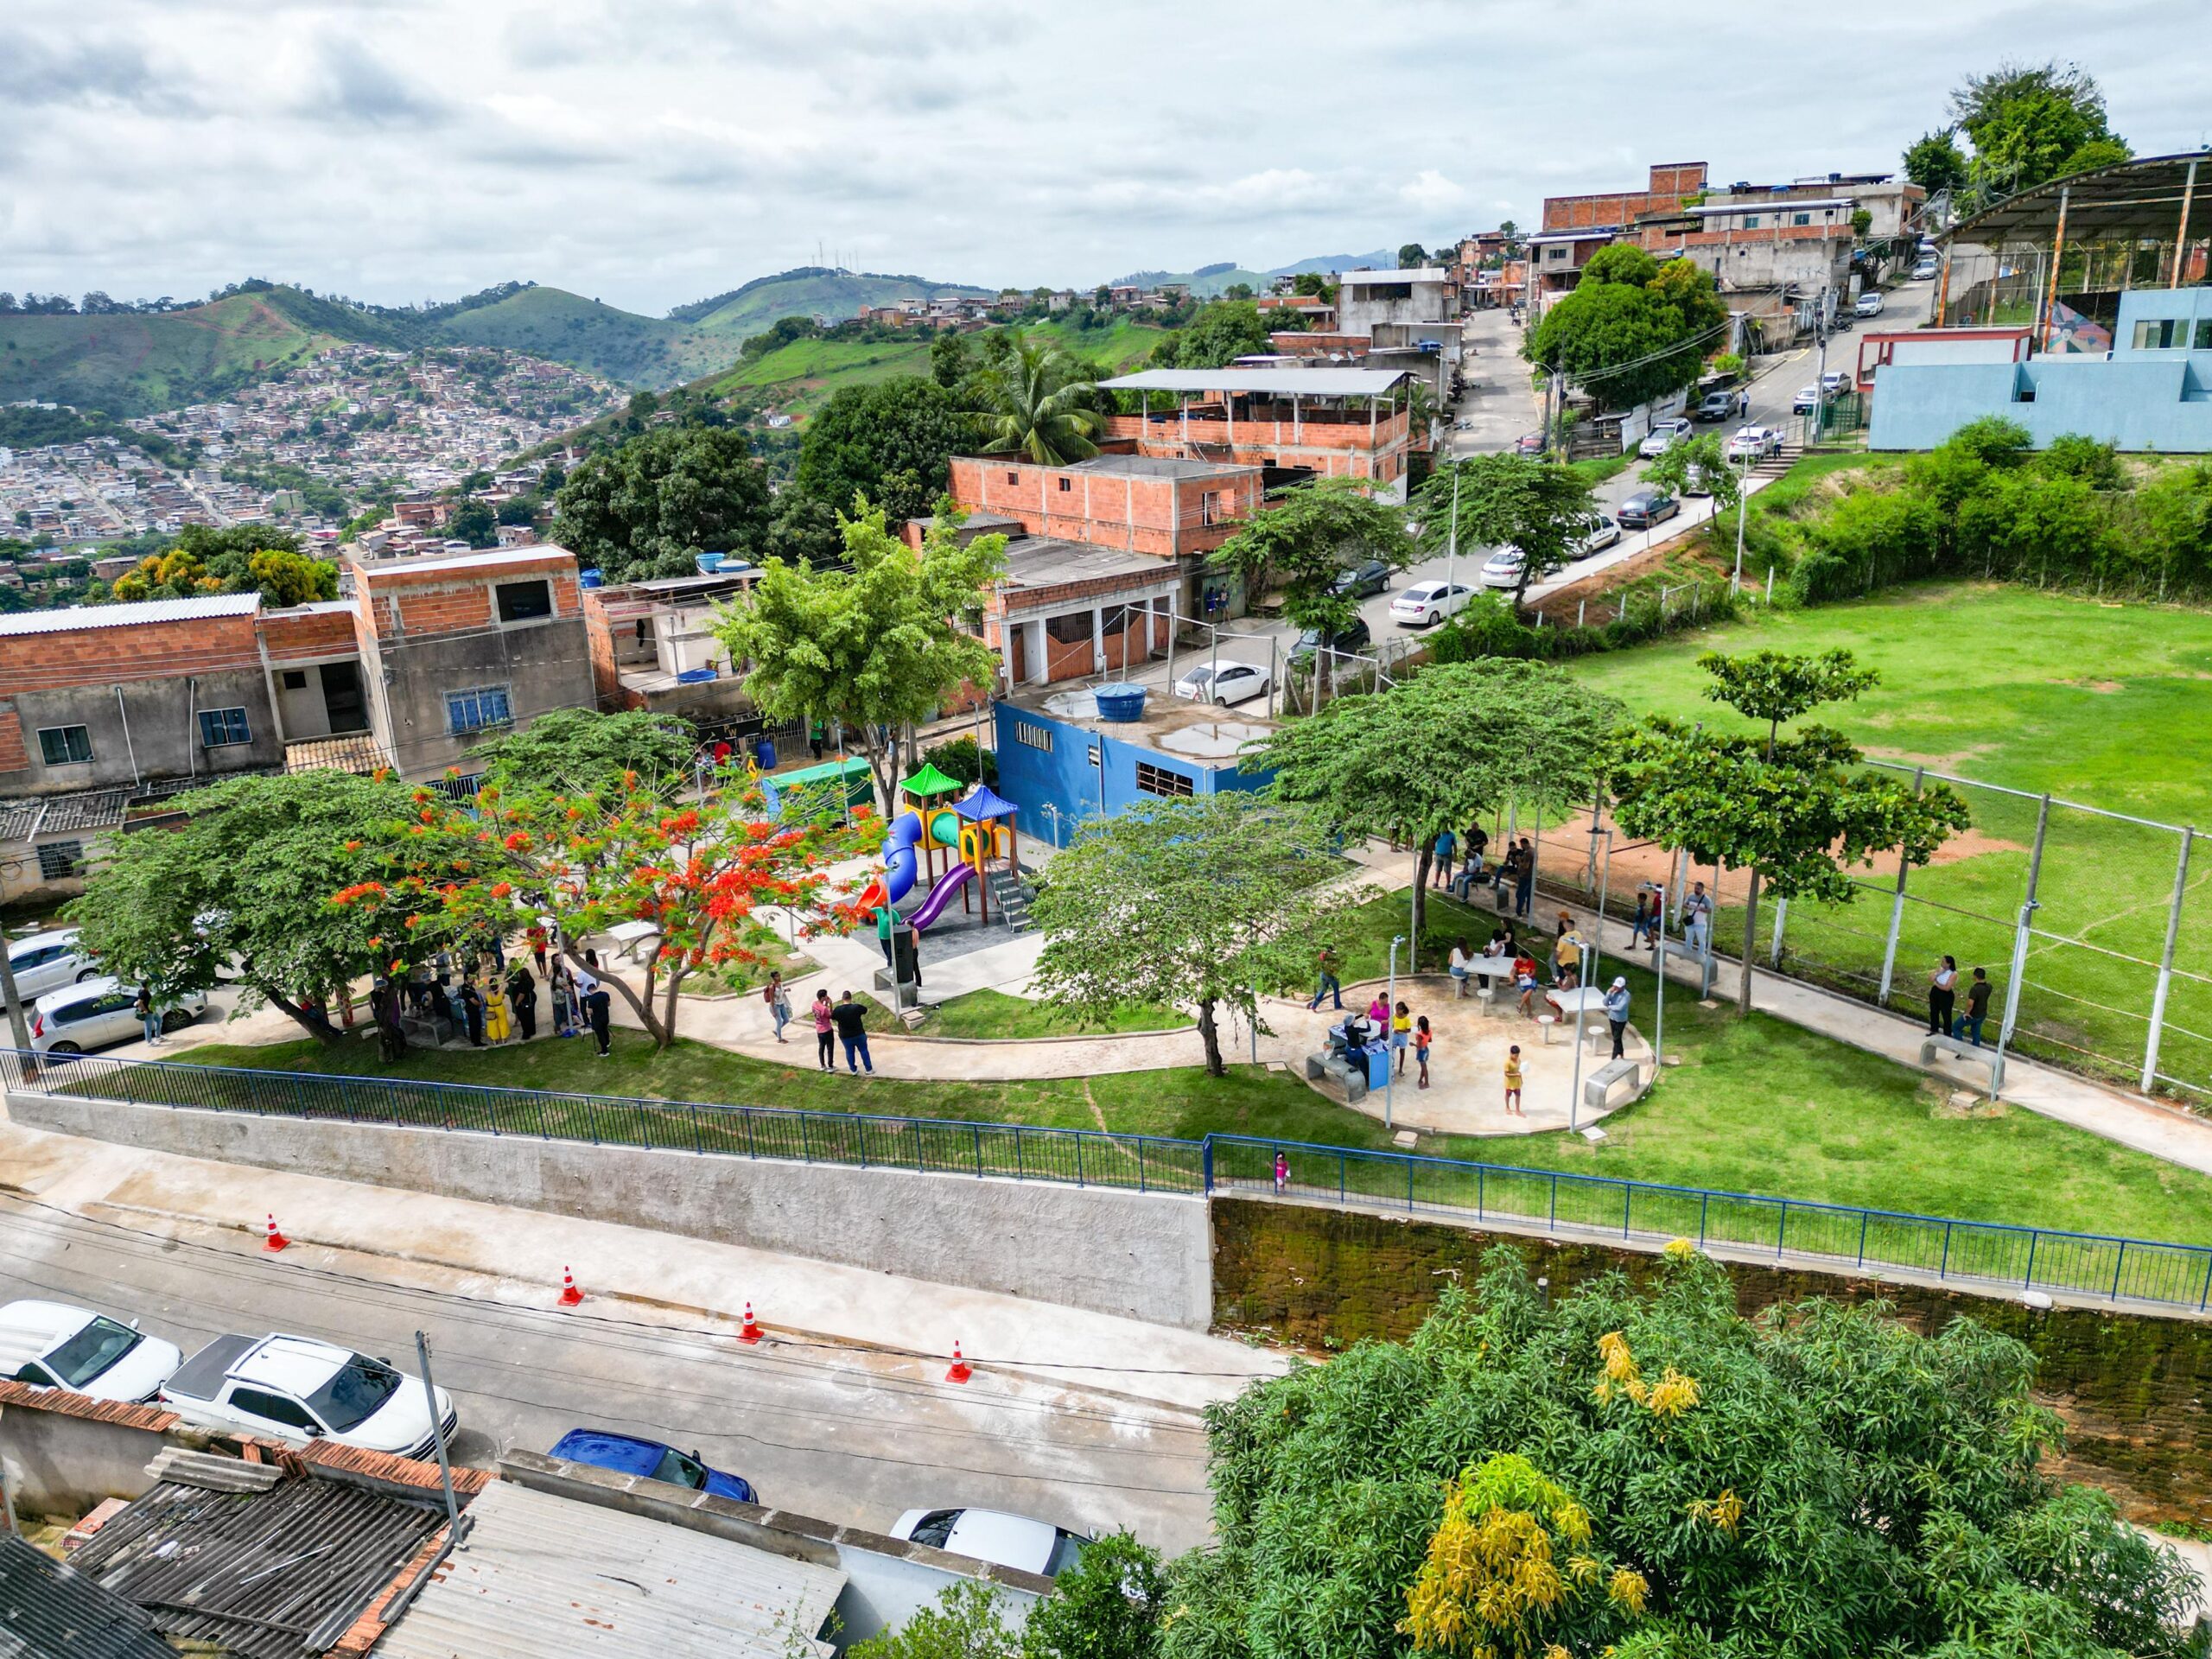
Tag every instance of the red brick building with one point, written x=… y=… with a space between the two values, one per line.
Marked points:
x=1293 y=423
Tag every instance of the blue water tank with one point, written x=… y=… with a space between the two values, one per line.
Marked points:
x=697 y=675
x=1119 y=703
x=590 y=578
x=709 y=563
x=765 y=752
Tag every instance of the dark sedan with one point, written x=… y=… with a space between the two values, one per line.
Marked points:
x=1646 y=508
x=1362 y=581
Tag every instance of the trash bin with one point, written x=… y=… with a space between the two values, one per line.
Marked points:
x=764 y=750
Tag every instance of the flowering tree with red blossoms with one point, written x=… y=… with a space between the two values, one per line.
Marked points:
x=698 y=871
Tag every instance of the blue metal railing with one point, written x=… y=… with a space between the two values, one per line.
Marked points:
x=1981 y=1254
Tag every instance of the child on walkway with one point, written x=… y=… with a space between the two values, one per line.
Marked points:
x=1401 y=1034
x=1282 y=1173
x=1422 y=1039
x=1513 y=1082
x=1524 y=975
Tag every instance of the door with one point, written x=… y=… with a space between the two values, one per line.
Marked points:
x=341 y=697
x=274 y=1413
x=107 y=1019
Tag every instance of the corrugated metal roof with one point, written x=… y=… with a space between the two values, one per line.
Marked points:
x=540 y=1575
x=51 y=1611
x=1306 y=383
x=127 y=616
x=486 y=558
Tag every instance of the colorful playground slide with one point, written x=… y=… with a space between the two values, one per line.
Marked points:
x=900 y=863
x=940 y=895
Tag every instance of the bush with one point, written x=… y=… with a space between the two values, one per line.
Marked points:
x=965 y=760
x=1108 y=1606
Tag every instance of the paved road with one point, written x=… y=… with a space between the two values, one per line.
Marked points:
x=825 y=1430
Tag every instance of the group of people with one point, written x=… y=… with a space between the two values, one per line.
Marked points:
x=1514 y=874
x=491 y=1000
x=1943 y=1018
x=1694 y=913
x=1405 y=1033
x=843 y=1020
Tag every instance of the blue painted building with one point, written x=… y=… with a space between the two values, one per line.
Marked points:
x=1062 y=765
x=2152 y=392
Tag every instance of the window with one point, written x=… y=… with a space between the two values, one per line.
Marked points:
x=90 y=1351
x=478 y=708
x=524 y=601
x=60 y=861
x=2204 y=333
x=220 y=728
x=274 y=1408
x=295 y=679
x=1072 y=629
x=2161 y=334
x=1066 y=484
x=1750 y=221
x=1013 y=478
x=1033 y=736
x=66 y=746
x=1556 y=254
x=674 y=1466
x=353 y=1394
x=1162 y=780
x=1801 y=218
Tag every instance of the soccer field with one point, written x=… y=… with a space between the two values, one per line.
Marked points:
x=2105 y=706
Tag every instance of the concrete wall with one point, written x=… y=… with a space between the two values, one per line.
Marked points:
x=155 y=725
x=1145 y=1256
x=545 y=665
x=59 y=1464
x=1062 y=777
x=2150 y=401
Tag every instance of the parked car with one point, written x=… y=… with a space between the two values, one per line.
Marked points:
x=1870 y=303
x=55 y=1345
x=95 y=1013
x=1428 y=602
x=1502 y=570
x=1646 y=508
x=1362 y=581
x=297 y=1388
x=626 y=1454
x=1353 y=639
x=45 y=962
x=1602 y=533
x=992 y=1535
x=1836 y=382
x=1229 y=682
x=1723 y=405
x=1529 y=443
x=1752 y=443
x=1807 y=400
x=1926 y=270
x=1664 y=436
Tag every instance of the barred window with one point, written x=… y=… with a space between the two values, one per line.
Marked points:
x=1033 y=736
x=58 y=861
x=477 y=709
x=1162 y=780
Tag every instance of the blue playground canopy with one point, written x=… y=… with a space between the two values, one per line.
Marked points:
x=984 y=804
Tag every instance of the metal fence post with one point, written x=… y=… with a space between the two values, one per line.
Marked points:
x=2020 y=950
x=2166 y=961
x=1205 y=1161
x=1781 y=917
x=1896 y=913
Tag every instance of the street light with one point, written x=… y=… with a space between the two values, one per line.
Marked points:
x=1390 y=1030
x=1743 y=482
x=1452 y=552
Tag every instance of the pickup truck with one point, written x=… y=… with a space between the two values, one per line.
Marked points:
x=298 y=1389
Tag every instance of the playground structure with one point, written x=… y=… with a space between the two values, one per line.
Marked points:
x=970 y=832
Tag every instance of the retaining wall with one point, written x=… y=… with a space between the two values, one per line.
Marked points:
x=1145 y=1256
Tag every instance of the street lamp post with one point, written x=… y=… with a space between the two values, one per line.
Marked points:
x=1389 y=1014
x=1452 y=552
x=1736 y=583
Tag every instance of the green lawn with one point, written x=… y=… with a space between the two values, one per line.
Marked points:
x=2103 y=704
x=1758 y=1106
x=993 y=1015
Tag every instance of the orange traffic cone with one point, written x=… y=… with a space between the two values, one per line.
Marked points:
x=959 y=1373
x=751 y=1331
x=570 y=1296
x=276 y=1241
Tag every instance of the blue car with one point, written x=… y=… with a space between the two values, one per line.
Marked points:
x=628 y=1455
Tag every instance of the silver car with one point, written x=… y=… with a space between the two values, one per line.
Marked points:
x=45 y=962
x=100 y=1013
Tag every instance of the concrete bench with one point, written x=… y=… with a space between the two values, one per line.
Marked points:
x=1599 y=1084
x=1959 y=1048
x=1345 y=1076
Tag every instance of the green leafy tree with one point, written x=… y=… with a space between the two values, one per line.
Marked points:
x=1309 y=538
x=1702 y=461
x=1412 y=257
x=472 y=522
x=892 y=442
x=651 y=507
x=1193 y=903
x=1216 y=337
x=876 y=646
x=1506 y=500
x=949 y=360
x=239 y=893
x=1108 y=1606
x=1790 y=811
x=579 y=750
x=1935 y=161
x=1666 y=1478
x=1314 y=284
x=2030 y=122
x=1036 y=404
x=1486 y=733
x=205 y=560
x=1636 y=331
x=967 y=1622
x=285 y=578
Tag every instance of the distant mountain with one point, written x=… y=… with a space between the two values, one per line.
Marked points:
x=811 y=291
x=1210 y=281
x=1380 y=259
x=603 y=339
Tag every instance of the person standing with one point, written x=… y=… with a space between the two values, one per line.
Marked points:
x=1378 y=1015
x=599 y=1009
x=1697 y=920
x=536 y=937
x=780 y=1004
x=1968 y=1024
x=1508 y=875
x=1616 y=1013
x=1401 y=1035
x=1524 y=879
x=1422 y=1039
x=472 y=1012
x=817 y=736
x=142 y=1005
x=1640 y=927
x=1942 y=996
x=564 y=1000
x=825 y=1035
x=1447 y=846
x=851 y=1019
x=1477 y=840
x=522 y=997
x=1282 y=1172
x=391 y=1032
x=1330 y=985
x=1513 y=1082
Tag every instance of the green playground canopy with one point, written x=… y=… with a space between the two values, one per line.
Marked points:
x=930 y=781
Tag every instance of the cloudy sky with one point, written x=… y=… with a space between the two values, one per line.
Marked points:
x=653 y=151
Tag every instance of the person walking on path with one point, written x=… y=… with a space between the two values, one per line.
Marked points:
x=1282 y=1173
x=598 y=1007
x=1446 y=845
x=1644 y=927
x=1513 y=1082
x=1942 y=996
x=522 y=997
x=817 y=735
x=1968 y=1024
x=1330 y=985
x=1422 y=1039
x=142 y=1005
x=1401 y=1035
x=780 y=1004
x=1697 y=920
x=1524 y=881
x=851 y=1017
x=825 y=1037
x=1616 y=1013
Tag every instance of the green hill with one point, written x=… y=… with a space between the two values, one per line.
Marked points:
x=603 y=339
x=812 y=290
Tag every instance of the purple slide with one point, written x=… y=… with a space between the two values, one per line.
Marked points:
x=940 y=895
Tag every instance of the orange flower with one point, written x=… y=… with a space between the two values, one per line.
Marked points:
x=353 y=846
x=501 y=889
x=517 y=842
x=411 y=920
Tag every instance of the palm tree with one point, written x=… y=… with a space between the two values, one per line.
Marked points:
x=1034 y=402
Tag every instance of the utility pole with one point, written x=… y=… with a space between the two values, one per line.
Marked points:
x=1390 y=1030
x=1452 y=552
x=18 y=1032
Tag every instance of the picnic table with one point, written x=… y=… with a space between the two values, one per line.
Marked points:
x=1574 y=1004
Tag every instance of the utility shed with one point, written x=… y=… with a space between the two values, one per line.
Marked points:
x=542 y=1575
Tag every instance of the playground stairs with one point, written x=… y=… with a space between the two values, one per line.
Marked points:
x=1010 y=898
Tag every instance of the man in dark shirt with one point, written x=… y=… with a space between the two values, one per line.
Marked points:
x=522 y=997
x=472 y=1011
x=1968 y=1024
x=848 y=1016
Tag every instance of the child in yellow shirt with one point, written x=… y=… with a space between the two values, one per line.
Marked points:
x=1513 y=1082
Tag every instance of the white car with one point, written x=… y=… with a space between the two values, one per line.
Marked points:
x=1752 y=443
x=1427 y=603
x=1836 y=382
x=1229 y=682
x=54 y=1345
x=1925 y=270
x=46 y=962
x=992 y=1535
x=297 y=1388
x=1870 y=303
x=96 y=1013
x=1502 y=570
x=1807 y=400
x=1663 y=436
x=1603 y=533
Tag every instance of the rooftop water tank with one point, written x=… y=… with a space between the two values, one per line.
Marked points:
x=1119 y=703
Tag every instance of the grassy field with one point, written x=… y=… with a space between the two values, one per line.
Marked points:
x=2100 y=704
x=807 y=372
x=993 y=1015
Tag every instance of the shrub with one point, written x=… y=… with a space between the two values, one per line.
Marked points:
x=965 y=760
